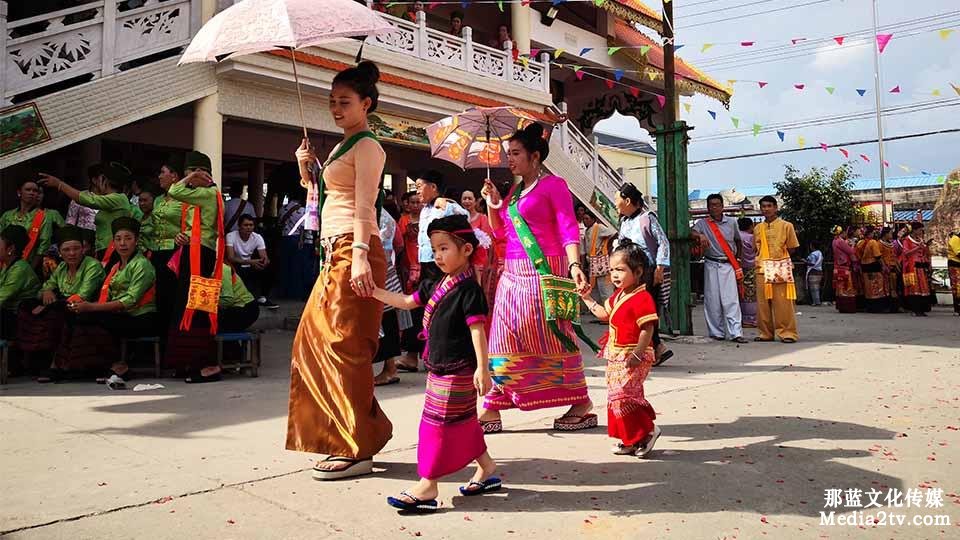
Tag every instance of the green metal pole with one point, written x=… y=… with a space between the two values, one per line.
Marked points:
x=673 y=210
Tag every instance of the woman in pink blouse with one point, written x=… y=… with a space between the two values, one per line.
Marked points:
x=531 y=367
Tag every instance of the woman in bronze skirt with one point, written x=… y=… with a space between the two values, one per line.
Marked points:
x=332 y=407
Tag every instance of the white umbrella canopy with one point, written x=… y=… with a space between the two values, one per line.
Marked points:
x=253 y=26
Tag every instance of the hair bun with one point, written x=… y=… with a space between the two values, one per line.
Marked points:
x=369 y=71
x=535 y=129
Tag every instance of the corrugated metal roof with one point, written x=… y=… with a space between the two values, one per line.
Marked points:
x=623 y=143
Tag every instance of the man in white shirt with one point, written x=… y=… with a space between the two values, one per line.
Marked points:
x=234 y=208
x=247 y=252
x=430 y=186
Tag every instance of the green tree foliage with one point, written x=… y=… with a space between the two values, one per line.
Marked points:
x=815 y=201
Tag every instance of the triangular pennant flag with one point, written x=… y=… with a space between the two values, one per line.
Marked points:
x=936 y=92
x=844 y=152
x=865 y=158
x=712 y=114
x=839 y=40
x=799 y=86
x=677 y=47
x=579 y=74
x=687 y=107
x=557 y=53
x=794 y=41
x=945 y=33
x=824 y=146
x=525 y=61
x=432 y=5
x=830 y=90
x=662 y=100
x=782 y=135
x=941 y=179
x=558 y=2
x=801 y=142
x=599 y=3
x=525 y=2
x=756 y=129
x=612 y=50
x=635 y=91
x=609 y=83
x=706 y=47
x=500 y=5
x=762 y=83
x=955 y=88
x=575 y=68
x=886 y=164
x=895 y=89
x=925 y=173
x=882 y=41
x=731 y=82
x=905 y=168
x=534 y=53
x=618 y=74
x=746 y=44
x=463 y=4
x=736 y=122
x=861 y=91
x=644 y=49
x=585 y=50
x=651 y=75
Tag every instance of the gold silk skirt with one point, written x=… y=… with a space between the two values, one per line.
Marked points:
x=332 y=407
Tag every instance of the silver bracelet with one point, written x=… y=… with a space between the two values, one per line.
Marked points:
x=360 y=245
x=494 y=206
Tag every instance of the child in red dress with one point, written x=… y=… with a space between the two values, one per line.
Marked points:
x=632 y=315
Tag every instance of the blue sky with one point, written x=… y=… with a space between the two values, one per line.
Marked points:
x=917 y=59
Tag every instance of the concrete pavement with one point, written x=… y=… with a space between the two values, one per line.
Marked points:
x=753 y=435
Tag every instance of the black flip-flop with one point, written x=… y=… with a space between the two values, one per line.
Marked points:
x=388 y=382
x=668 y=354
x=417 y=505
x=407 y=369
x=199 y=378
x=479 y=488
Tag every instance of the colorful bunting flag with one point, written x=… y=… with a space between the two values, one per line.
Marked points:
x=557 y=53
x=936 y=92
x=706 y=47
x=635 y=91
x=579 y=75
x=955 y=88
x=886 y=164
x=799 y=86
x=585 y=50
x=941 y=179
x=861 y=91
x=945 y=33
x=609 y=83
x=824 y=146
x=905 y=168
x=500 y=5
x=534 y=53
x=652 y=75
x=662 y=100
x=736 y=122
x=677 y=47
x=644 y=49
x=865 y=158
x=839 y=40
x=882 y=40
x=618 y=74
x=794 y=41
x=762 y=83
x=687 y=107
x=731 y=82
x=432 y=5
x=525 y=61
x=830 y=90
x=895 y=89
x=782 y=135
x=612 y=50
x=756 y=129
x=746 y=43
x=712 y=114
x=801 y=141
x=844 y=152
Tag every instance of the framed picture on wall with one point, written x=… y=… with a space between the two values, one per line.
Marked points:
x=21 y=127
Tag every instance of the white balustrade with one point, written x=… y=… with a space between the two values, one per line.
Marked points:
x=93 y=38
x=585 y=153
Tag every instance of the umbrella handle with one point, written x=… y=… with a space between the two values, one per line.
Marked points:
x=296 y=78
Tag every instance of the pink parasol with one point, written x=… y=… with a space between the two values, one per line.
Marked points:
x=476 y=138
x=253 y=26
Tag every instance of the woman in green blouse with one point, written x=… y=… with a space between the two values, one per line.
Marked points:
x=124 y=308
x=36 y=221
x=107 y=197
x=41 y=320
x=18 y=281
x=164 y=225
x=190 y=344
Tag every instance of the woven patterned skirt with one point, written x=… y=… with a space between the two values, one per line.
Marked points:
x=40 y=333
x=748 y=304
x=875 y=288
x=450 y=434
x=845 y=290
x=629 y=415
x=530 y=367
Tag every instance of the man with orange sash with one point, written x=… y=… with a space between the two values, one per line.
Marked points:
x=723 y=278
x=776 y=293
